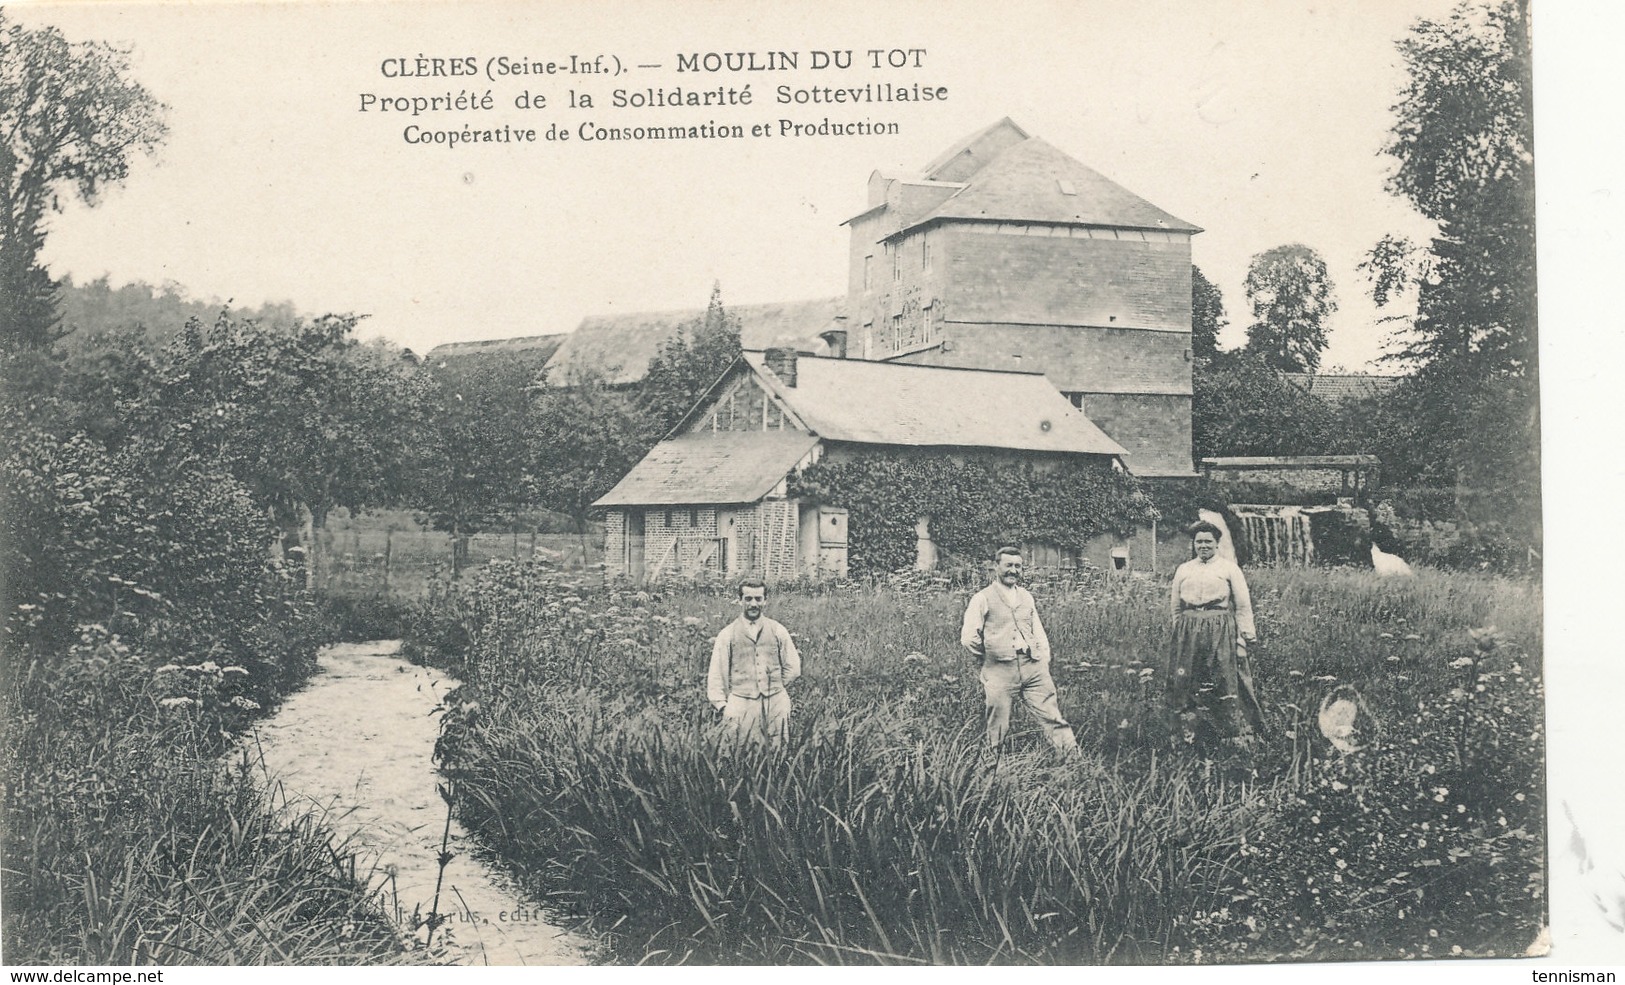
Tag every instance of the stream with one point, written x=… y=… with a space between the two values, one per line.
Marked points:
x=356 y=744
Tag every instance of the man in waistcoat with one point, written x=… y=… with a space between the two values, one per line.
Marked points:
x=752 y=662
x=1001 y=629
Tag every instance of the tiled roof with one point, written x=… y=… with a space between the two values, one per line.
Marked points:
x=1340 y=388
x=1034 y=182
x=541 y=346
x=902 y=404
x=721 y=467
x=620 y=346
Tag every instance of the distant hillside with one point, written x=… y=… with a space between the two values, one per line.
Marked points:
x=162 y=311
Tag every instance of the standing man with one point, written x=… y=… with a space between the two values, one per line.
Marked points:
x=1002 y=629
x=752 y=662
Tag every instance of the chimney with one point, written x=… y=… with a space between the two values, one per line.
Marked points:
x=783 y=364
x=835 y=339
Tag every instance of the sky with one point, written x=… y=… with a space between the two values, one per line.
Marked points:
x=1262 y=123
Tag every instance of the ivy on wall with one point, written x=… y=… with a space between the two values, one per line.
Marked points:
x=976 y=502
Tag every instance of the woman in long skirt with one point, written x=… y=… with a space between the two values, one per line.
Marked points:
x=1209 y=678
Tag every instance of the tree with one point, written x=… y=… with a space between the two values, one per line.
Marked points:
x=1462 y=143
x=588 y=434
x=72 y=121
x=687 y=364
x=1240 y=405
x=1291 y=297
x=306 y=418
x=473 y=457
x=1207 y=315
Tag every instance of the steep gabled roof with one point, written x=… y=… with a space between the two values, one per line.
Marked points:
x=904 y=404
x=620 y=346
x=725 y=467
x=1032 y=181
x=970 y=155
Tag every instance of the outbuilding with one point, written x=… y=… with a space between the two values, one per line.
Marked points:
x=714 y=496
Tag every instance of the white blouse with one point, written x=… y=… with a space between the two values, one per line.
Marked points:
x=1199 y=584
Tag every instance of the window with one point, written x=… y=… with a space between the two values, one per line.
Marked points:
x=668 y=519
x=925 y=251
x=896 y=262
x=897 y=333
x=693 y=517
x=868 y=271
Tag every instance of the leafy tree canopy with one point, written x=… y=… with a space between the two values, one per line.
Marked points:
x=1462 y=143
x=1207 y=315
x=72 y=119
x=1291 y=297
x=687 y=364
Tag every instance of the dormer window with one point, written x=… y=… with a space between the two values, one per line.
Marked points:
x=1067 y=188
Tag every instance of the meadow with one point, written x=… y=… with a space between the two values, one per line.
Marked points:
x=583 y=751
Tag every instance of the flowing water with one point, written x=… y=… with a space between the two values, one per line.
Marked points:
x=356 y=743
x=1276 y=535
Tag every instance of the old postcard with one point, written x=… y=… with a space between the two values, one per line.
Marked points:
x=576 y=484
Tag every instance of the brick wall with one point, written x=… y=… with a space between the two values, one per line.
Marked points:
x=1066 y=275
x=1155 y=429
x=615 y=544
x=1075 y=358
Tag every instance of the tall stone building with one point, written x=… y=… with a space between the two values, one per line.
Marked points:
x=1005 y=253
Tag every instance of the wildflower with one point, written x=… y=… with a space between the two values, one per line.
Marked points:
x=245 y=703
x=950 y=679
x=1460 y=662
x=693 y=621
x=1455 y=949
x=916 y=657
x=167 y=668
x=176 y=702
x=1461 y=808
x=1517 y=797
x=1385 y=636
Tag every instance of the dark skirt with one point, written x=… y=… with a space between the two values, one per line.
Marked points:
x=1209 y=674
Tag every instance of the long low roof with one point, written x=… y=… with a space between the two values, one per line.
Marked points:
x=884 y=403
x=723 y=467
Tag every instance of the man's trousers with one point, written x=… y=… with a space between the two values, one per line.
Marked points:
x=759 y=719
x=1004 y=680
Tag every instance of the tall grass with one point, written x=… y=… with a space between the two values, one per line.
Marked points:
x=883 y=832
x=126 y=841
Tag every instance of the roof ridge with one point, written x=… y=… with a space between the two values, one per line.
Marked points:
x=888 y=362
